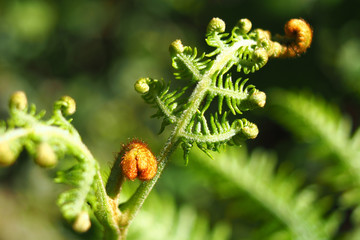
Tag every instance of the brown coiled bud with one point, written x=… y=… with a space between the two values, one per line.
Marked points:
x=138 y=161
x=297 y=39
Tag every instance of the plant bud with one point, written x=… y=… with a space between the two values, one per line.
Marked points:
x=142 y=85
x=7 y=157
x=244 y=25
x=18 y=100
x=250 y=130
x=82 y=222
x=215 y=25
x=138 y=161
x=68 y=105
x=261 y=56
x=45 y=156
x=176 y=47
x=258 y=98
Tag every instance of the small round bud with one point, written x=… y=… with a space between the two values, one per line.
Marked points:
x=82 y=222
x=7 y=157
x=250 y=130
x=176 y=47
x=18 y=100
x=244 y=25
x=261 y=56
x=142 y=85
x=138 y=161
x=68 y=105
x=215 y=25
x=45 y=156
x=258 y=98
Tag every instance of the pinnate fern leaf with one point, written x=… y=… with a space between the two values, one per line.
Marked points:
x=279 y=191
x=212 y=84
x=313 y=118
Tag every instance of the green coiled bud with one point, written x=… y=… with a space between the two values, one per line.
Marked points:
x=18 y=100
x=244 y=25
x=215 y=25
x=261 y=56
x=142 y=85
x=250 y=130
x=68 y=105
x=258 y=98
x=176 y=47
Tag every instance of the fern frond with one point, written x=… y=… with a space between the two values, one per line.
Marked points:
x=242 y=49
x=73 y=201
x=313 y=118
x=277 y=191
x=161 y=219
x=46 y=140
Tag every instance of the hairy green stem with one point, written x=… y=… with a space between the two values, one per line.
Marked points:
x=130 y=208
x=104 y=211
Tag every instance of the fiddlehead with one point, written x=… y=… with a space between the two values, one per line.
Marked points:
x=209 y=76
x=46 y=141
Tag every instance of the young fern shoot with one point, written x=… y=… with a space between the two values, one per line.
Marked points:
x=206 y=117
x=208 y=74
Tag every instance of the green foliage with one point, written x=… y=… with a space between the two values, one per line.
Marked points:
x=27 y=129
x=244 y=50
x=314 y=119
x=204 y=112
x=279 y=191
x=162 y=219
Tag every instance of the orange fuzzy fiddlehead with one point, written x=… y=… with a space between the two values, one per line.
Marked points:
x=138 y=161
x=297 y=39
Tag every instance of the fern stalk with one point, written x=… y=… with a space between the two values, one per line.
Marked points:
x=130 y=208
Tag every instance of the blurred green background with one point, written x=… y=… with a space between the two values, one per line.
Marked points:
x=95 y=50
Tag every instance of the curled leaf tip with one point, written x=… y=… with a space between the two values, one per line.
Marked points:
x=215 y=25
x=142 y=85
x=244 y=25
x=69 y=106
x=176 y=47
x=66 y=105
x=18 y=100
x=258 y=98
x=297 y=39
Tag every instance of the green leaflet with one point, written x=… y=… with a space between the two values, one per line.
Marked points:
x=202 y=117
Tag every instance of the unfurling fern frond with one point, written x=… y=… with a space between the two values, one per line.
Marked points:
x=194 y=117
x=46 y=141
